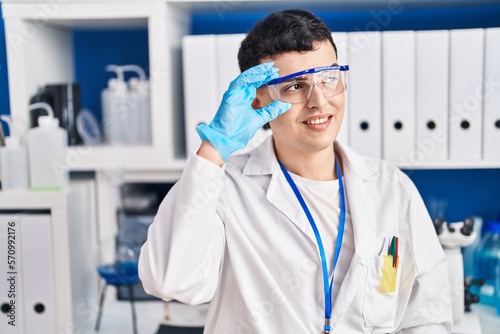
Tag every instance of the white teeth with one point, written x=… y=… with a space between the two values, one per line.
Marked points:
x=317 y=121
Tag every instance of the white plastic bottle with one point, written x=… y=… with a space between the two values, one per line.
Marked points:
x=14 y=161
x=47 y=147
x=115 y=111
x=139 y=103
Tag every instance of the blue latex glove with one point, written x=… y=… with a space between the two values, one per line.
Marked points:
x=236 y=122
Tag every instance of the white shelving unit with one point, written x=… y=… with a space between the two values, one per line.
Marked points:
x=39 y=51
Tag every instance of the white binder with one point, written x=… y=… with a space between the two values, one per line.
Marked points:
x=398 y=95
x=227 y=60
x=365 y=90
x=491 y=88
x=342 y=43
x=199 y=62
x=432 y=93
x=6 y=293
x=38 y=273
x=466 y=93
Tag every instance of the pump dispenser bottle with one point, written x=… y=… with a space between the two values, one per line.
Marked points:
x=47 y=147
x=115 y=111
x=139 y=103
x=14 y=161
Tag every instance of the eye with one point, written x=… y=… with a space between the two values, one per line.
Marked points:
x=291 y=88
x=330 y=77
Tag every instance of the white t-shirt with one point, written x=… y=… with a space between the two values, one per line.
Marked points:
x=323 y=200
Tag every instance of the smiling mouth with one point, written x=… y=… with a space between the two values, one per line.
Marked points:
x=317 y=121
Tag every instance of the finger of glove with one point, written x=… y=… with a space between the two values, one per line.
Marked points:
x=255 y=76
x=255 y=80
x=245 y=96
x=272 y=110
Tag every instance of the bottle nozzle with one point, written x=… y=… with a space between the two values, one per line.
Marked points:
x=137 y=69
x=42 y=105
x=8 y=120
x=117 y=69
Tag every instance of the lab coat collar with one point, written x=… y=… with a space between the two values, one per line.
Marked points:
x=263 y=160
x=356 y=170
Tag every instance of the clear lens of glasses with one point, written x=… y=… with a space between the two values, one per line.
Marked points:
x=299 y=89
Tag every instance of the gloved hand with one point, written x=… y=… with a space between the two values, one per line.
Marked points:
x=236 y=122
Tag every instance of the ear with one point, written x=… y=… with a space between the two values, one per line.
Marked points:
x=256 y=104
x=257 y=101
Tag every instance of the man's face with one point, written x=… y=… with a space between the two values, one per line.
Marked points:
x=293 y=130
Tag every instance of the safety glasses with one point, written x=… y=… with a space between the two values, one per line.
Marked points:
x=297 y=87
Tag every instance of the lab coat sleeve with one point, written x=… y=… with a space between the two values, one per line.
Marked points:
x=429 y=307
x=185 y=244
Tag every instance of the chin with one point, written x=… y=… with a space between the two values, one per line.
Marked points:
x=320 y=144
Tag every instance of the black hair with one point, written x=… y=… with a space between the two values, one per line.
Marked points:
x=281 y=32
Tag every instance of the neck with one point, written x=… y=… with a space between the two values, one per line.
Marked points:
x=319 y=165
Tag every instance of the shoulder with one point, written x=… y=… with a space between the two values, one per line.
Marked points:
x=236 y=163
x=389 y=171
x=256 y=159
x=373 y=170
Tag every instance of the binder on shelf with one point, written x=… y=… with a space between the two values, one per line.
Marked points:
x=200 y=84
x=398 y=95
x=342 y=43
x=11 y=287
x=432 y=92
x=466 y=93
x=491 y=93
x=38 y=273
x=365 y=90
x=227 y=60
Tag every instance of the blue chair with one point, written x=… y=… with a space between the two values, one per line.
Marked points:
x=122 y=273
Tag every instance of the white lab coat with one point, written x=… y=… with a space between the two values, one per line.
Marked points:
x=237 y=236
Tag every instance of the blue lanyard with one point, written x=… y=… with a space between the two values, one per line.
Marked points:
x=340 y=236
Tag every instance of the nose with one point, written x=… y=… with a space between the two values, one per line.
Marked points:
x=316 y=97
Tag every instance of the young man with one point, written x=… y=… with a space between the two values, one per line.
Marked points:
x=301 y=234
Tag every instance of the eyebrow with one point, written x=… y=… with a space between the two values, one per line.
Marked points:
x=302 y=78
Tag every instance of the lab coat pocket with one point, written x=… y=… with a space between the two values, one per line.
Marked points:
x=389 y=275
x=381 y=293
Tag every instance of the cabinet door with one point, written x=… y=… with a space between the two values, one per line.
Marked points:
x=37 y=273
x=11 y=300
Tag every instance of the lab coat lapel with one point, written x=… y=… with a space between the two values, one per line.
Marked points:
x=281 y=195
x=360 y=204
x=263 y=161
x=356 y=172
